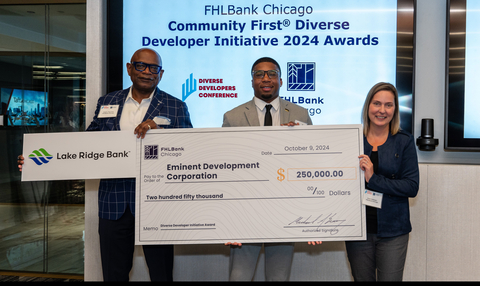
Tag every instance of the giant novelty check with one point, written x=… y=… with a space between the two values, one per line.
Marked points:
x=274 y=184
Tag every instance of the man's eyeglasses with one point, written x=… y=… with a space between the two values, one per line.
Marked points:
x=261 y=74
x=141 y=66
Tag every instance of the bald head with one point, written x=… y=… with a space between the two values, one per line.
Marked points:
x=138 y=53
x=144 y=82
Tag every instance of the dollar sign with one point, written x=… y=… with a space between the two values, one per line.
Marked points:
x=282 y=176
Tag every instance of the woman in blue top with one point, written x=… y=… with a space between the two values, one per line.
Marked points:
x=391 y=167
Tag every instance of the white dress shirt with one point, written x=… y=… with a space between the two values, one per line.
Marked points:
x=133 y=112
x=275 y=111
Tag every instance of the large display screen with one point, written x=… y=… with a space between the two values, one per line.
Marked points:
x=472 y=71
x=25 y=107
x=330 y=52
x=463 y=70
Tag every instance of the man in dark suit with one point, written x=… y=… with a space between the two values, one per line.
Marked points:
x=265 y=109
x=139 y=108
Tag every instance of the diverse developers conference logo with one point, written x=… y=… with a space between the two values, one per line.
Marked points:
x=208 y=87
x=189 y=87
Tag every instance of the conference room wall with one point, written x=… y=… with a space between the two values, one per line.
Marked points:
x=444 y=213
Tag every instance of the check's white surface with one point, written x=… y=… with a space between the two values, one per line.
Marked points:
x=297 y=184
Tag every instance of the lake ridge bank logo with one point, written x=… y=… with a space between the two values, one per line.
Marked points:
x=40 y=156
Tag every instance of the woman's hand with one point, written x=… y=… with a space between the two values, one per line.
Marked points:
x=367 y=166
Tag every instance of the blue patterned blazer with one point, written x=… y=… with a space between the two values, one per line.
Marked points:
x=114 y=195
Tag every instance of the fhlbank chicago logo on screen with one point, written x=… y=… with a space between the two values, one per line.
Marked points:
x=301 y=78
x=208 y=88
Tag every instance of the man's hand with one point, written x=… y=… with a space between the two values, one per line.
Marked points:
x=314 y=242
x=291 y=123
x=20 y=162
x=233 y=243
x=143 y=127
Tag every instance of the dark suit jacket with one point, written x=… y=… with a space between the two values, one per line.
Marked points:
x=115 y=194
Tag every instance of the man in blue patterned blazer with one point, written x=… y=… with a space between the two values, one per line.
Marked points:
x=140 y=108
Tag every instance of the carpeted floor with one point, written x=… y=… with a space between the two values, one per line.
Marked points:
x=6 y=278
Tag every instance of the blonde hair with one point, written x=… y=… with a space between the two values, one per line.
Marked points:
x=395 y=122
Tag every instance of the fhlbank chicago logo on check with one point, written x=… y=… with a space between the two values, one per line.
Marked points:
x=151 y=152
x=41 y=156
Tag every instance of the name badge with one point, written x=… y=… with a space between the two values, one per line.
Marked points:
x=107 y=111
x=373 y=199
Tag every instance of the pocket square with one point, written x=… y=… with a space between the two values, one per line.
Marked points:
x=161 y=120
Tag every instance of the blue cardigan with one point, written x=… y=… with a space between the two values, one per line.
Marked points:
x=397 y=178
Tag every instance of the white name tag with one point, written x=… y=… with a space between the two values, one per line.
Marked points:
x=107 y=111
x=373 y=199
